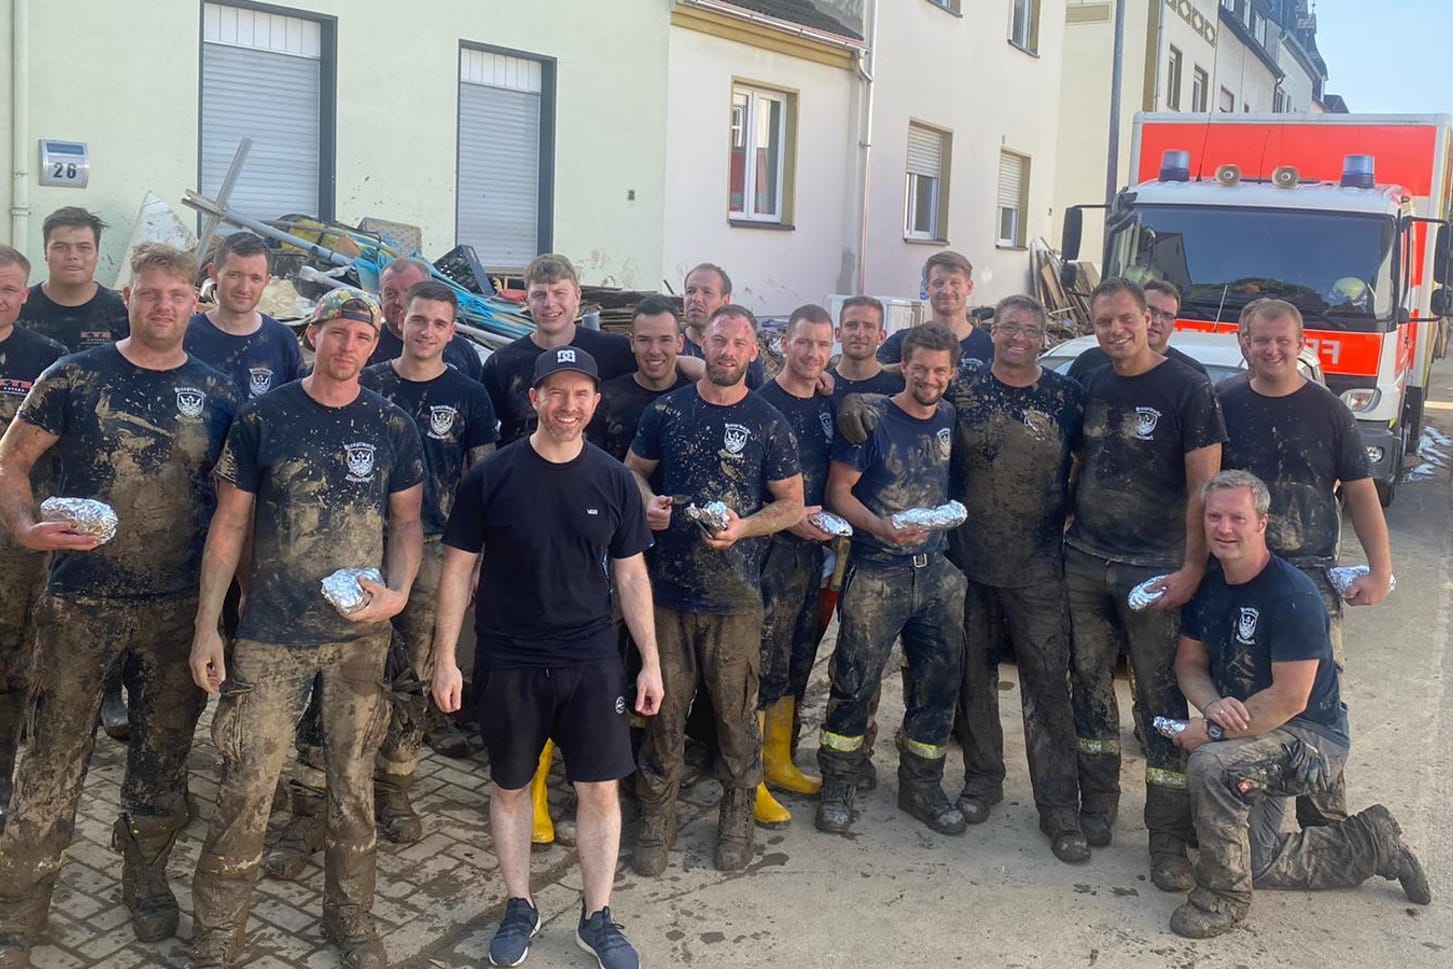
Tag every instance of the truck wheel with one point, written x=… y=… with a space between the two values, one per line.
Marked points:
x=1386 y=491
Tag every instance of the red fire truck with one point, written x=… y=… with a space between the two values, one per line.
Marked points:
x=1345 y=216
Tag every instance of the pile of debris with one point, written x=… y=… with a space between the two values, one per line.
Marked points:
x=1068 y=308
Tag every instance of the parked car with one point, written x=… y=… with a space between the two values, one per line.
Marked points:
x=1219 y=353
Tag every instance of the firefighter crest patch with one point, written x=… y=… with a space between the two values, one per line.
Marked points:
x=259 y=380
x=359 y=459
x=826 y=419
x=1145 y=420
x=441 y=421
x=945 y=442
x=735 y=438
x=190 y=402
x=1246 y=625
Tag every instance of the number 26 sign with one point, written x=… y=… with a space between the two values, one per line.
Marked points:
x=64 y=163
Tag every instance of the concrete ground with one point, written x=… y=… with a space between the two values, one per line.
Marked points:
x=892 y=893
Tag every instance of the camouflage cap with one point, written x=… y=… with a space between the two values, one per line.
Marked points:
x=347 y=303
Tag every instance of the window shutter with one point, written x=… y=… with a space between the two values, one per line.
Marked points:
x=925 y=152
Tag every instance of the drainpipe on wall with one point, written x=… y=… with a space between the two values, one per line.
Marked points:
x=20 y=122
x=865 y=140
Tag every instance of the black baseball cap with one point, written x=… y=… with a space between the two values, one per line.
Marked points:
x=562 y=359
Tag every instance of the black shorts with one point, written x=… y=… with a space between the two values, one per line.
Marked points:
x=581 y=708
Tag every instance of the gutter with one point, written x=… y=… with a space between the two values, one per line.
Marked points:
x=839 y=41
x=20 y=122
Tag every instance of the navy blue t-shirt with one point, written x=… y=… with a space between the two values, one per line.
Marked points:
x=622 y=402
x=708 y=452
x=24 y=355
x=1301 y=445
x=977 y=346
x=1094 y=358
x=756 y=371
x=510 y=370
x=461 y=353
x=100 y=320
x=453 y=416
x=1013 y=447
x=144 y=442
x=547 y=532
x=1277 y=617
x=256 y=363
x=1130 y=501
x=904 y=464
x=882 y=382
x=322 y=476
x=813 y=421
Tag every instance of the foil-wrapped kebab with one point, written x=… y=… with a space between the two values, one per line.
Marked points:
x=343 y=591
x=1169 y=727
x=712 y=516
x=948 y=515
x=86 y=515
x=1343 y=576
x=830 y=523
x=1141 y=597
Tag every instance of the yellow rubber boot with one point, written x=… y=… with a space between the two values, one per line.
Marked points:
x=777 y=765
x=766 y=811
x=543 y=832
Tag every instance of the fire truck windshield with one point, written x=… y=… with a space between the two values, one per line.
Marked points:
x=1336 y=267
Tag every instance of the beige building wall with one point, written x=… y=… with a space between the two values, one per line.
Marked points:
x=124 y=77
x=1241 y=72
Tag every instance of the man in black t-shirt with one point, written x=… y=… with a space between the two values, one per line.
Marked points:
x=655 y=342
x=252 y=348
x=1163 y=302
x=137 y=425
x=900 y=583
x=711 y=442
x=1152 y=437
x=858 y=371
x=949 y=280
x=1256 y=659
x=335 y=476
x=706 y=289
x=394 y=284
x=548 y=512
x=792 y=567
x=70 y=307
x=553 y=296
x=1018 y=427
x=23 y=356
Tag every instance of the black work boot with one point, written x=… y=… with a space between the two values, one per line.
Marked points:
x=654 y=839
x=920 y=793
x=145 y=845
x=12 y=709
x=394 y=812
x=302 y=838
x=221 y=901
x=975 y=806
x=1395 y=860
x=22 y=925
x=359 y=946
x=115 y=719
x=1191 y=921
x=835 y=804
x=1066 y=839
x=735 y=829
x=1168 y=816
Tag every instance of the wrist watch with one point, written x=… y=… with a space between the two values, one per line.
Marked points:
x=1214 y=731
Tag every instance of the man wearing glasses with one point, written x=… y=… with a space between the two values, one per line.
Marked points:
x=1164 y=302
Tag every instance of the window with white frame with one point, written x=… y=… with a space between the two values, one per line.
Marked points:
x=1024 y=24
x=1173 y=80
x=925 y=195
x=952 y=6
x=1227 y=102
x=1200 y=89
x=759 y=166
x=1013 y=198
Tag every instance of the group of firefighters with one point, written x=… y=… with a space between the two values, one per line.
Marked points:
x=567 y=491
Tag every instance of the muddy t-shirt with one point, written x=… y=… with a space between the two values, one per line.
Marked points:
x=812 y=420
x=100 y=320
x=904 y=464
x=1013 y=447
x=618 y=415
x=756 y=371
x=1301 y=445
x=708 y=452
x=510 y=369
x=322 y=476
x=1130 y=503
x=460 y=353
x=882 y=382
x=256 y=363
x=977 y=346
x=1277 y=617
x=144 y=442
x=1094 y=358
x=24 y=355
x=547 y=531
x=453 y=415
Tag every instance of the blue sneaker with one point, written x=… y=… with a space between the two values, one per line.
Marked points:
x=602 y=938
x=511 y=942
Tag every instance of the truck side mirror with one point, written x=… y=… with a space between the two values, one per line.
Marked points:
x=1442 y=256
x=1069 y=246
x=1441 y=303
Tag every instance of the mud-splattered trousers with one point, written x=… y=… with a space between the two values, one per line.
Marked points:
x=792 y=616
x=724 y=653
x=22 y=579
x=76 y=641
x=1241 y=842
x=1036 y=620
x=267 y=690
x=921 y=599
x=1102 y=622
